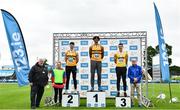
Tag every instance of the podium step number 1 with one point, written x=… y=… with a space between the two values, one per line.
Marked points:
x=96 y=99
x=70 y=100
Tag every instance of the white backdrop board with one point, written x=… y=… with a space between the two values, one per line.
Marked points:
x=108 y=66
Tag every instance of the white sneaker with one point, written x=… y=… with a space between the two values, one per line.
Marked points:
x=65 y=91
x=75 y=91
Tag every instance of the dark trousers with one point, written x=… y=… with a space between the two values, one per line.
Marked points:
x=96 y=66
x=36 y=95
x=121 y=72
x=58 y=91
x=70 y=69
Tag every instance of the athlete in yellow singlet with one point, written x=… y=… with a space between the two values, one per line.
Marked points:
x=71 y=59
x=121 y=59
x=96 y=53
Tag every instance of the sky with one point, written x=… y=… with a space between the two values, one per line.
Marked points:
x=39 y=19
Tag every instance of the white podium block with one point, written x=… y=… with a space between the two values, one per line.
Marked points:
x=70 y=100
x=123 y=102
x=96 y=99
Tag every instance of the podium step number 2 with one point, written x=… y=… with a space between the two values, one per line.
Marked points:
x=96 y=99
x=70 y=100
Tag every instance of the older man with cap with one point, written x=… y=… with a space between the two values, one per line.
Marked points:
x=135 y=75
x=38 y=79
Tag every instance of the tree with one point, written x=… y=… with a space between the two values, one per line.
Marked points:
x=151 y=52
x=169 y=52
x=175 y=70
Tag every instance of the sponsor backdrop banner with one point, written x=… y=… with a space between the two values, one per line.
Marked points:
x=108 y=66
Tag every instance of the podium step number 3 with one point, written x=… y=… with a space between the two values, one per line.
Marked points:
x=96 y=99
x=123 y=102
x=70 y=100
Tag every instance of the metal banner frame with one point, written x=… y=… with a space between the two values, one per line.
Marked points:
x=142 y=35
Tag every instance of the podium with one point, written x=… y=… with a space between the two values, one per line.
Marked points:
x=70 y=100
x=123 y=102
x=96 y=99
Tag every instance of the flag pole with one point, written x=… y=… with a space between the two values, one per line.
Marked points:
x=170 y=93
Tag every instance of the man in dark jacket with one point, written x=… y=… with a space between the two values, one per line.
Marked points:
x=38 y=79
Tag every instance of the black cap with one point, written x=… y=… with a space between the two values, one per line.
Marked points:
x=96 y=37
x=71 y=43
x=121 y=44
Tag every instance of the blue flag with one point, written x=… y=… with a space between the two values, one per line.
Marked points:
x=162 y=48
x=17 y=48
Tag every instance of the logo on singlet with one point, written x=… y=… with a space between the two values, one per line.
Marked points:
x=70 y=59
x=121 y=59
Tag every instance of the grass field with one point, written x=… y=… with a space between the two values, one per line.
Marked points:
x=14 y=97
